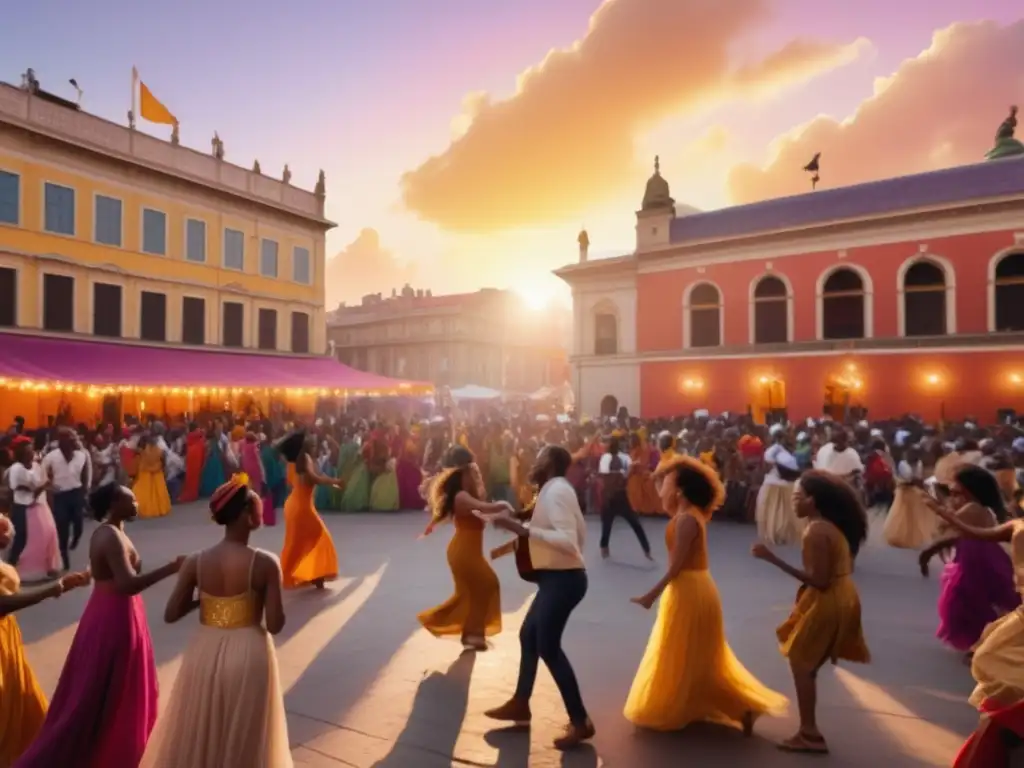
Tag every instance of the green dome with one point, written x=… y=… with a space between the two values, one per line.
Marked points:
x=1010 y=147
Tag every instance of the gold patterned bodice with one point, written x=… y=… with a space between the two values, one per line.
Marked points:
x=232 y=612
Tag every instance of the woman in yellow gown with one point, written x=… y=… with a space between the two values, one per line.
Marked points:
x=150 y=485
x=688 y=672
x=825 y=623
x=640 y=490
x=474 y=611
x=308 y=555
x=22 y=703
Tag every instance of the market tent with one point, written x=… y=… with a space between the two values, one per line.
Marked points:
x=40 y=359
x=475 y=392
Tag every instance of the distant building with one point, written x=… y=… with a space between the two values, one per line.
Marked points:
x=489 y=338
x=112 y=233
x=899 y=296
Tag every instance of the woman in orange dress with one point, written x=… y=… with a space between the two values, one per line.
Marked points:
x=474 y=611
x=825 y=623
x=308 y=555
x=643 y=497
x=195 y=457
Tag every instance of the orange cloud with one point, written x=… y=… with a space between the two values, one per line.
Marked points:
x=364 y=267
x=564 y=141
x=939 y=109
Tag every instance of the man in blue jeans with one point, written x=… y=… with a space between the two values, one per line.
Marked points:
x=69 y=473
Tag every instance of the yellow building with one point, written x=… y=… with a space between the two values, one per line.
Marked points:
x=109 y=232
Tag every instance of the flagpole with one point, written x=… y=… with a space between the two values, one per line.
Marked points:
x=135 y=91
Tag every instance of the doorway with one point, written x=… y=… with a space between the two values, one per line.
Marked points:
x=769 y=404
x=609 y=406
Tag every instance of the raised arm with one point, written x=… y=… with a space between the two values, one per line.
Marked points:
x=465 y=504
x=183 y=598
x=112 y=551
x=306 y=467
x=960 y=521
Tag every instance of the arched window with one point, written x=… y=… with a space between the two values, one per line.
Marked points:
x=606 y=334
x=705 y=316
x=771 y=311
x=1009 y=293
x=924 y=300
x=842 y=306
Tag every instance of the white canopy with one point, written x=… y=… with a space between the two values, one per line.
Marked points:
x=475 y=392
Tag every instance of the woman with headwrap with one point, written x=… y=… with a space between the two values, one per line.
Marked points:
x=474 y=611
x=308 y=555
x=227 y=705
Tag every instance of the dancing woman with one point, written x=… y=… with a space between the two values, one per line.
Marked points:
x=978 y=585
x=998 y=662
x=22 y=703
x=474 y=611
x=688 y=672
x=308 y=555
x=825 y=623
x=227 y=707
x=105 y=704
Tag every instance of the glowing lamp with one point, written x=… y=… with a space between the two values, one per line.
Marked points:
x=1015 y=378
x=933 y=378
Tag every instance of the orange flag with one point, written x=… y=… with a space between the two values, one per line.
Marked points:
x=151 y=108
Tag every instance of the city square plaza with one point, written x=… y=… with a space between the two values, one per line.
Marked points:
x=367 y=687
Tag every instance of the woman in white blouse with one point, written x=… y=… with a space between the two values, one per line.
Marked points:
x=557 y=533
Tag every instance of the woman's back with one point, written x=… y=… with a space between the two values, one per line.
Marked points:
x=231 y=594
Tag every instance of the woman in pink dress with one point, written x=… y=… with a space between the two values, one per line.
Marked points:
x=40 y=560
x=104 y=707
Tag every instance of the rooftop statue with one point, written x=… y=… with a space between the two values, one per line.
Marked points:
x=1006 y=144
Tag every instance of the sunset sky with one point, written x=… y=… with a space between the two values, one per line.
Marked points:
x=475 y=139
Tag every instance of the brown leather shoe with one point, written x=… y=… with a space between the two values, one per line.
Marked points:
x=512 y=711
x=575 y=735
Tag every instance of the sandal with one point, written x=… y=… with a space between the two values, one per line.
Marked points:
x=804 y=744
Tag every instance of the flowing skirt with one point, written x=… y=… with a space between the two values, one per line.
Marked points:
x=643 y=497
x=308 y=554
x=976 y=588
x=410 y=478
x=22 y=704
x=151 y=492
x=824 y=626
x=910 y=524
x=475 y=608
x=777 y=522
x=105 y=704
x=193 y=473
x=356 y=497
x=41 y=557
x=214 y=475
x=227 y=706
x=688 y=672
x=384 y=492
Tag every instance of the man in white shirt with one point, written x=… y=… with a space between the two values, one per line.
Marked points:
x=69 y=471
x=838 y=458
x=26 y=486
x=613 y=469
x=557 y=533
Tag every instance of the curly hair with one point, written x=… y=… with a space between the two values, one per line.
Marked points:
x=446 y=486
x=698 y=483
x=837 y=502
x=983 y=488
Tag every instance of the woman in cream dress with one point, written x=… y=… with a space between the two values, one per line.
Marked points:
x=998 y=661
x=777 y=523
x=227 y=707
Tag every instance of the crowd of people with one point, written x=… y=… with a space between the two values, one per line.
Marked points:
x=949 y=490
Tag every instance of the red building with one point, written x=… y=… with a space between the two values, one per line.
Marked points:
x=898 y=296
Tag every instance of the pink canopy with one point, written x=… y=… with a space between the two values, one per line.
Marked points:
x=109 y=364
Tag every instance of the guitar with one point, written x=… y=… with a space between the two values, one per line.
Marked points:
x=520 y=547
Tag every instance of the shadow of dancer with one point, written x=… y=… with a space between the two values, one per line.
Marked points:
x=438 y=711
x=514 y=750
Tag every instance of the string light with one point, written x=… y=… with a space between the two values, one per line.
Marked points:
x=95 y=390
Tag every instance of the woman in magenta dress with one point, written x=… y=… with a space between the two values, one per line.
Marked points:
x=978 y=585
x=406 y=449
x=104 y=707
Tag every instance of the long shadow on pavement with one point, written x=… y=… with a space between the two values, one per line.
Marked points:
x=435 y=722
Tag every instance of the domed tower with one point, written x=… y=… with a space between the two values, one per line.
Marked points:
x=657 y=210
x=1006 y=145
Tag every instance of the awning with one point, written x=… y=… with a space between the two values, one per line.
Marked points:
x=41 y=359
x=475 y=392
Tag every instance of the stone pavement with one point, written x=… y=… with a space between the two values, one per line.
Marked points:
x=368 y=688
